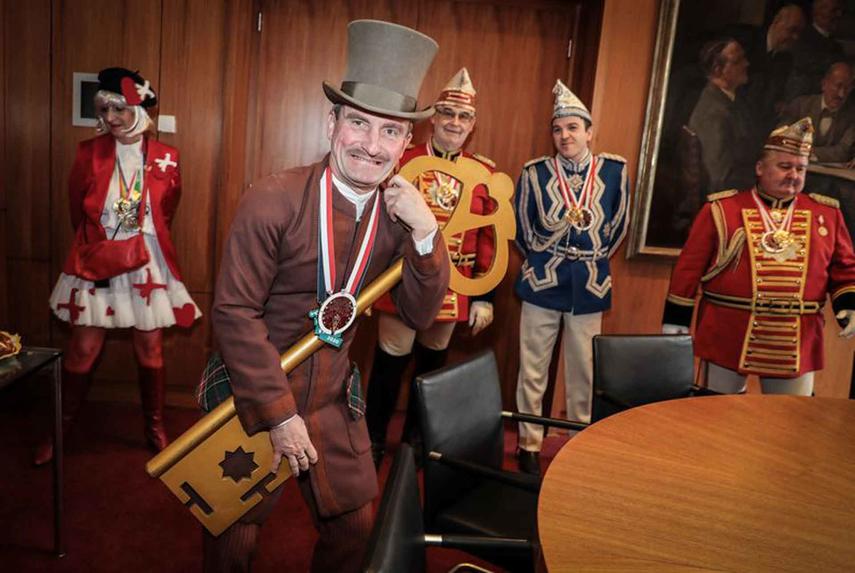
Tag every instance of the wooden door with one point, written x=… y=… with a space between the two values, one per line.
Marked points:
x=514 y=52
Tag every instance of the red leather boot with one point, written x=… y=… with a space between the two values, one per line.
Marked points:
x=152 y=391
x=74 y=389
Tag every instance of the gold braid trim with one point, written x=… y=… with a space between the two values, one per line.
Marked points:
x=727 y=252
x=712 y=197
x=824 y=200
x=680 y=300
x=844 y=290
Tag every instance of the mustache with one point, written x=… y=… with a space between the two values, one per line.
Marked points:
x=362 y=154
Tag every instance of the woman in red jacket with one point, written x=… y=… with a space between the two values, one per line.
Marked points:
x=122 y=270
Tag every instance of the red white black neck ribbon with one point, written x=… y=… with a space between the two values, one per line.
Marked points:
x=579 y=213
x=338 y=309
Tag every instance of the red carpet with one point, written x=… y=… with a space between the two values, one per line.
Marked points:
x=116 y=517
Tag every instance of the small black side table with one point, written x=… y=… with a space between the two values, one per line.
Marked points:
x=30 y=360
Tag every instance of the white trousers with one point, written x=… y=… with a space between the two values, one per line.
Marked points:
x=538 y=332
x=396 y=338
x=727 y=381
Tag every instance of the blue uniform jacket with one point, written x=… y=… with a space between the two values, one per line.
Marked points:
x=564 y=268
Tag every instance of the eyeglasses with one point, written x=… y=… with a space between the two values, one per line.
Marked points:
x=448 y=113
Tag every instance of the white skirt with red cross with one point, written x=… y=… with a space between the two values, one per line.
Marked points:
x=146 y=298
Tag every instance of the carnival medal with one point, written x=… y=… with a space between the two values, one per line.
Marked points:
x=444 y=191
x=578 y=213
x=777 y=240
x=338 y=309
x=127 y=206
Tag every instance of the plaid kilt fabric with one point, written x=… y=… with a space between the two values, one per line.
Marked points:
x=215 y=384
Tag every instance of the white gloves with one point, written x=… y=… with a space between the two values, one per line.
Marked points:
x=849 y=330
x=480 y=315
x=674 y=329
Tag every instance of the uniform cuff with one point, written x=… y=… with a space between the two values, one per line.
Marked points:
x=679 y=314
x=262 y=417
x=843 y=300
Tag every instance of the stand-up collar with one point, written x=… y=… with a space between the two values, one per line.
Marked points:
x=576 y=166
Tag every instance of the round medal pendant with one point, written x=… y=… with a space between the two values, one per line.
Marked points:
x=585 y=220
x=581 y=218
x=126 y=211
x=573 y=215
x=777 y=216
x=446 y=196
x=337 y=313
x=775 y=241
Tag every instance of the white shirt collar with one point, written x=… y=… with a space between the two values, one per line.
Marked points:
x=824 y=33
x=359 y=200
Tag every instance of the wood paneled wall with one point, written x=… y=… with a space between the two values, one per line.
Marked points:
x=247 y=104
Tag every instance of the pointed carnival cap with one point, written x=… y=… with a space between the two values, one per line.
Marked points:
x=458 y=92
x=567 y=104
x=796 y=139
x=131 y=85
x=386 y=64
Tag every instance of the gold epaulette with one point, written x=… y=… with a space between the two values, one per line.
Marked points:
x=537 y=160
x=612 y=156
x=721 y=195
x=485 y=160
x=830 y=201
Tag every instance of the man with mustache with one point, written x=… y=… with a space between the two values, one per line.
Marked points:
x=309 y=237
x=472 y=253
x=765 y=260
x=571 y=211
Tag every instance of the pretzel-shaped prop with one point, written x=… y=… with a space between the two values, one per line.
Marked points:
x=500 y=188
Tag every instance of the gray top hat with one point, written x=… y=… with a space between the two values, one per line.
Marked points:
x=386 y=64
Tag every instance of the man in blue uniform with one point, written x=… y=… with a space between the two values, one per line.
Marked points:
x=571 y=213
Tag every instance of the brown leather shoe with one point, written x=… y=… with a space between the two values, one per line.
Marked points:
x=529 y=462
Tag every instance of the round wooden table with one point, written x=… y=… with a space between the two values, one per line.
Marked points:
x=723 y=483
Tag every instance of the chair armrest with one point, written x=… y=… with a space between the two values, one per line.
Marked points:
x=543 y=421
x=476 y=542
x=518 y=480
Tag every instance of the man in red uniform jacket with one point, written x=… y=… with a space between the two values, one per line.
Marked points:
x=303 y=238
x=765 y=259
x=471 y=253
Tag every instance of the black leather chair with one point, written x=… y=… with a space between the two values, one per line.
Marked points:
x=466 y=490
x=398 y=541
x=632 y=370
